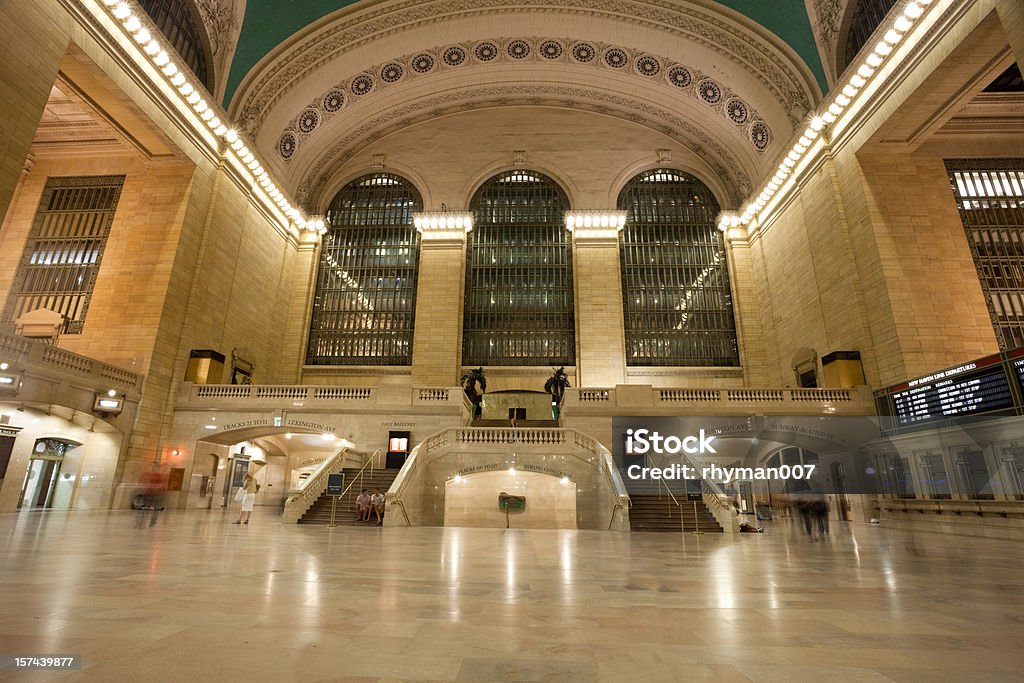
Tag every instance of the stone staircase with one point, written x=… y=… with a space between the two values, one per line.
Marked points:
x=320 y=511
x=651 y=512
x=651 y=509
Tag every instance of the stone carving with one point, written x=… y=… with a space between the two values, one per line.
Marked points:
x=691 y=22
x=721 y=160
x=826 y=19
x=647 y=66
x=219 y=18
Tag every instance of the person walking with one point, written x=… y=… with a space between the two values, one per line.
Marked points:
x=154 y=486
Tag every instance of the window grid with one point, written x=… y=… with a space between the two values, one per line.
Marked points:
x=519 y=296
x=176 y=22
x=365 y=303
x=63 y=253
x=675 y=281
x=990 y=196
x=867 y=17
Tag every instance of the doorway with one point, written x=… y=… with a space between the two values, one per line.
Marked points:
x=44 y=487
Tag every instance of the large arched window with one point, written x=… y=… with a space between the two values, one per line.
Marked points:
x=365 y=302
x=867 y=15
x=675 y=282
x=519 y=304
x=176 y=21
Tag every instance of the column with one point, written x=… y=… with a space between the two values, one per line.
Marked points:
x=30 y=54
x=437 y=342
x=1011 y=14
x=597 y=281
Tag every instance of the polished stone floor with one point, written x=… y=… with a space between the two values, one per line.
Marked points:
x=196 y=598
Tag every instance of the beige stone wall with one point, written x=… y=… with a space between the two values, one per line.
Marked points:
x=601 y=359
x=806 y=283
x=29 y=59
x=437 y=344
x=937 y=303
x=126 y=304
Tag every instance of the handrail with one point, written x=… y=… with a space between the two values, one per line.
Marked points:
x=401 y=506
x=359 y=474
x=302 y=498
x=616 y=508
x=672 y=496
x=723 y=514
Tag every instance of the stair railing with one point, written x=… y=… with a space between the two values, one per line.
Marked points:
x=717 y=501
x=301 y=499
x=671 y=496
x=358 y=477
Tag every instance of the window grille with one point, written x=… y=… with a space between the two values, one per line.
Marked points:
x=176 y=21
x=519 y=297
x=867 y=16
x=675 y=281
x=64 y=249
x=365 y=302
x=990 y=196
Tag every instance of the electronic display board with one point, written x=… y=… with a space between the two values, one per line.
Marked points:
x=981 y=386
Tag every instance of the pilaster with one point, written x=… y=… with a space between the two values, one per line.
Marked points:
x=437 y=343
x=600 y=328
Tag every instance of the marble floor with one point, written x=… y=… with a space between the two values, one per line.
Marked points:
x=196 y=598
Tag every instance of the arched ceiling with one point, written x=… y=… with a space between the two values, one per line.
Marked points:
x=696 y=72
x=268 y=23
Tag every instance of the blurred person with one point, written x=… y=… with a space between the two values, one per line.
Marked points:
x=819 y=510
x=154 y=485
x=803 y=506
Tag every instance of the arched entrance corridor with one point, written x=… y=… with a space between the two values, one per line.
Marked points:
x=55 y=458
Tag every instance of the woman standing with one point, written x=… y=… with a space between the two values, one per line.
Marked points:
x=250 y=486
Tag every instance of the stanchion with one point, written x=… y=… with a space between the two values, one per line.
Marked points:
x=696 y=521
x=334 y=509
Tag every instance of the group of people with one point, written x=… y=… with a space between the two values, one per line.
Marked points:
x=370 y=503
x=813 y=509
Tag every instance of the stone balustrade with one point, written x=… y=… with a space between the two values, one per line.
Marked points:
x=355 y=399
x=36 y=358
x=51 y=376
x=644 y=400
x=413 y=500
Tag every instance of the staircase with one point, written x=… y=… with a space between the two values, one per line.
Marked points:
x=320 y=511
x=651 y=512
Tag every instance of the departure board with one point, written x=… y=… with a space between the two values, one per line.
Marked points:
x=1018 y=372
x=969 y=393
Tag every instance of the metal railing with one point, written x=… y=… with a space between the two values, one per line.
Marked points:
x=362 y=470
x=301 y=499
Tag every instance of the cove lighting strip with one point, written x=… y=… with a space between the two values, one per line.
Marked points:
x=849 y=94
x=426 y=221
x=153 y=53
x=595 y=219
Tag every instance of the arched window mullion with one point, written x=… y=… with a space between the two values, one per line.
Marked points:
x=365 y=301
x=676 y=305
x=518 y=307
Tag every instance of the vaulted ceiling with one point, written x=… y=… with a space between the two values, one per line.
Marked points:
x=315 y=83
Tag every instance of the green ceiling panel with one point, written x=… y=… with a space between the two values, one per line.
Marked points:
x=269 y=22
